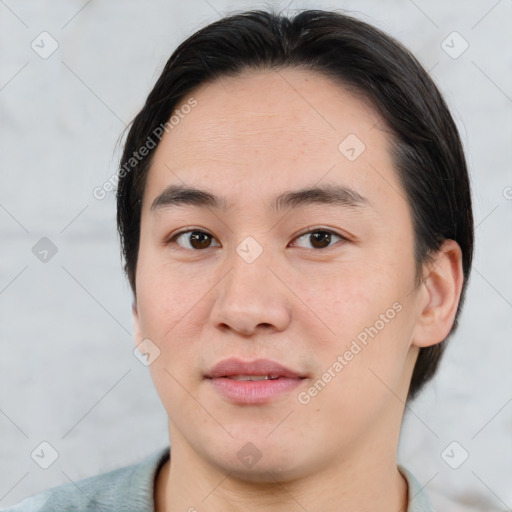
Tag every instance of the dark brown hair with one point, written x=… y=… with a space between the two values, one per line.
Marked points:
x=426 y=147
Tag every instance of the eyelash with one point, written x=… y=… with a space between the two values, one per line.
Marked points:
x=313 y=230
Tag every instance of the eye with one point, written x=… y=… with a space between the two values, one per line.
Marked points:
x=193 y=239
x=199 y=240
x=320 y=238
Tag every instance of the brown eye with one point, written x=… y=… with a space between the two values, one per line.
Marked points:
x=320 y=238
x=194 y=239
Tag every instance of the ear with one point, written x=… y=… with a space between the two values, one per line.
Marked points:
x=439 y=296
x=136 y=323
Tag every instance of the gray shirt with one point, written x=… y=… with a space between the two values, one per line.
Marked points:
x=131 y=489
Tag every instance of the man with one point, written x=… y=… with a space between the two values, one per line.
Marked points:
x=295 y=217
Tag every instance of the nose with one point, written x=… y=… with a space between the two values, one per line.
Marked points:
x=251 y=298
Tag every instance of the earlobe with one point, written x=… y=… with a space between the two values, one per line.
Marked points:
x=441 y=295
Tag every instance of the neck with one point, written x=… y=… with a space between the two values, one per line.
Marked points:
x=366 y=480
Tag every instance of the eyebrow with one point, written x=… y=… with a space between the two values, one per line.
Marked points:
x=334 y=195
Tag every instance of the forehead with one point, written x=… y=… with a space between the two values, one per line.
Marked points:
x=270 y=129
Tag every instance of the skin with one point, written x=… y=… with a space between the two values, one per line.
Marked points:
x=249 y=138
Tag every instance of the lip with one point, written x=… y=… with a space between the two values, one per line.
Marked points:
x=252 y=392
x=234 y=366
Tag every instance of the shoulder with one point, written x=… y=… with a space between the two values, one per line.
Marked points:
x=127 y=489
x=417 y=496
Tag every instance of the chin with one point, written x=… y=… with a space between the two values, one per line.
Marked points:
x=266 y=465
x=266 y=473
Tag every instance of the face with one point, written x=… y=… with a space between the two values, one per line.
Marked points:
x=316 y=289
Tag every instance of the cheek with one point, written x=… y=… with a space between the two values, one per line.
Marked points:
x=369 y=311
x=170 y=299
x=368 y=355
x=173 y=311
x=359 y=376
x=353 y=297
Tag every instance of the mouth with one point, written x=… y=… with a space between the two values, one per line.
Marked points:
x=253 y=382
x=252 y=377
x=258 y=369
